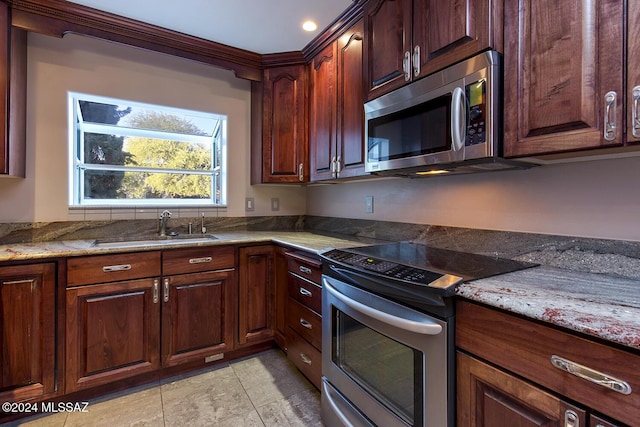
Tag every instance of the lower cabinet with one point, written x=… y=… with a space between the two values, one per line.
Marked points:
x=256 y=295
x=517 y=372
x=113 y=332
x=304 y=310
x=165 y=309
x=489 y=397
x=280 y=288
x=27 y=319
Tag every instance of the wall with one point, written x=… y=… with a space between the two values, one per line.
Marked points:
x=588 y=199
x=86 y=65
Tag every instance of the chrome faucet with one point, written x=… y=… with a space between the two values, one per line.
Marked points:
x=164 y=217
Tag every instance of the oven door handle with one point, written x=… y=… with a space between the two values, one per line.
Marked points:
x=425 y=326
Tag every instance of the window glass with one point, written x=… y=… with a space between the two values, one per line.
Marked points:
x=127 y=153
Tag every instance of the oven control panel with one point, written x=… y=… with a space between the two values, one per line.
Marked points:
x=385 y=268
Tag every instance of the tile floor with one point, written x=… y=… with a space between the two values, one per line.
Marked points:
x=262 y=390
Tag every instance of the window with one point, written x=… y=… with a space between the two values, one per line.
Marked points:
x=126 y=153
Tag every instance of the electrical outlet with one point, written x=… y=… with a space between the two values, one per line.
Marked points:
x=368 y=204
x=249 y=206
x=275 y=204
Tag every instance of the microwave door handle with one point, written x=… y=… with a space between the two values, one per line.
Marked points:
x=458 y=119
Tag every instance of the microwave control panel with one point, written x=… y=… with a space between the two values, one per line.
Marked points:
x=476 y=94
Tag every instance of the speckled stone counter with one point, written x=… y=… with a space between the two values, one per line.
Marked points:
x=599 y=305
x=300 y=240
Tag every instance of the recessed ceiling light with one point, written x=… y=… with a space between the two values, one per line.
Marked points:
x=309 y=26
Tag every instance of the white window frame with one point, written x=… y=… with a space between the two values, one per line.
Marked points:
x=77 y=166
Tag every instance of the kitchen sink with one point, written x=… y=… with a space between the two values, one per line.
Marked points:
x=122 y=242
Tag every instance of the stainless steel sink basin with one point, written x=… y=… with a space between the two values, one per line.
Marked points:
x=123 y=242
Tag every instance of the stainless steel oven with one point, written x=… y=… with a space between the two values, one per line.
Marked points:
x=388 y=333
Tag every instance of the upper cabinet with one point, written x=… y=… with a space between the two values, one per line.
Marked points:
x=336 y=121
x=283 y=141
x=407 y=39
x=633 y=72
x=13 y=89
x=564 y=68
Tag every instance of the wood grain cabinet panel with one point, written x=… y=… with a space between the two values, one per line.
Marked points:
x=407 y=40
x=284 y=125
x=281 y=279
x=489 y=397
x=113 y=332
x=633 y=72
x=256 y=295
x=562 y=63
x=198 y=315
x=13 y=91
x=336 y=122
x=28 y=341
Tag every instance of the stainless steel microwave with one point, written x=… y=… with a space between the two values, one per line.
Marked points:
x=448 y=121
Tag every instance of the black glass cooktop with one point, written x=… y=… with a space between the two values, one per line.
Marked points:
x=413 y=262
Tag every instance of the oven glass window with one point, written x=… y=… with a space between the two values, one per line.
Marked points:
x=422 y=129
x=389 y=371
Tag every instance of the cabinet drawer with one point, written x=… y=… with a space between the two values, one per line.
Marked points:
x=305 y=322
x=305 y=292
x=305 y=356
x=305 y=266
x=194 y=260
x=89 y=270
x=526 y=348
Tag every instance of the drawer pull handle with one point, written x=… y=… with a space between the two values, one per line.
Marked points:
x=305 y=359
x=591 y=375
x=112 y=268
x=306 y=324
x=200 y=260
x=306 y=292
x=17 y=282
x=305 y=270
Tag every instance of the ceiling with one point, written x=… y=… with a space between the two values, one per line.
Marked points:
x=261 y=26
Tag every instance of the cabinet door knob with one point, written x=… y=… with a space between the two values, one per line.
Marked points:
x=571 y=419
x=166 y=290
x=610 y=116
x=301 y=172
x=156 y=291
x=416 y=61
x=635 y=114
x=406 y=66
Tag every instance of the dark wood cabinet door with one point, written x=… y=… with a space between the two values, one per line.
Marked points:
x=198 y=316
x=489 y=397
x=387 y=25
x=112 y=332
x=280 y=282
x=27 y=319
x=633 y=72
x=562 y=60
x=284 y=125
x=350 y=113
x=446 y=32
x=13 y=89
x=256 y=296
x=322 y=116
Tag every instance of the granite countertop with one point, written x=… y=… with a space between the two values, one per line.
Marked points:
x=600 y=305
x=605 y=306
x=300 y=240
